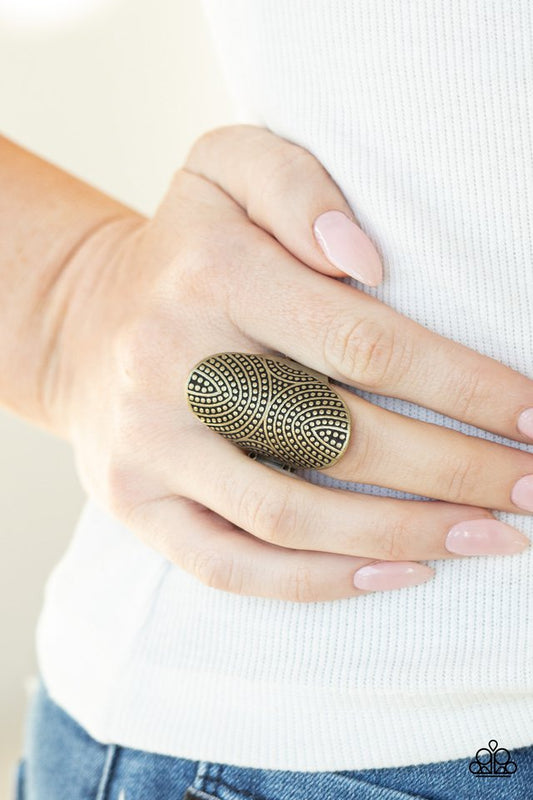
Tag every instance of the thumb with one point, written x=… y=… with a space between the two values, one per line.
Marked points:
x=286 y=191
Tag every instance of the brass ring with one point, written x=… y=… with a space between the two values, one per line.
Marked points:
x=271 y=407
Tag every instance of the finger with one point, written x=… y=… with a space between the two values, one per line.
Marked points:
x=287 y=192
x=386 y=449
x=227 y=558
x=392 y=450
x=292 y=512
x=356 y=339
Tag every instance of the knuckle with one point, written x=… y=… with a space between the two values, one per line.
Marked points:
x=272 y=518
x=209 y=264
x=212 y=137
x=363 y=350
x=200 y=145
x=298 y=587
x=196 y=261
x=290 y=162
x=459 y=476
x=394 y=542
x=215 y=569
x=138 y=349
x=203 y=157
x=179 y=186
x=469 y=392
x=279 y=169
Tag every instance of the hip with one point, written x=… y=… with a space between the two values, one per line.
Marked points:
x=61 y=760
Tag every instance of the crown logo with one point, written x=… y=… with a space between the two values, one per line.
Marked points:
x=494 y=762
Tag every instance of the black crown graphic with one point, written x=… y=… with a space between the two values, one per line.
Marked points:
x=494 y=762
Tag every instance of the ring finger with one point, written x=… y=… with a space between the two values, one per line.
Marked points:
x=291 y=512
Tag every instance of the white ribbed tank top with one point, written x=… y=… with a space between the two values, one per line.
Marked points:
x=422 y=113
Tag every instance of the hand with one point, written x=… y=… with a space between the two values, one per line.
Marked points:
x=227 y=268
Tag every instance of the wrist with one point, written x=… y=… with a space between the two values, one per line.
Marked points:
x=80 y=313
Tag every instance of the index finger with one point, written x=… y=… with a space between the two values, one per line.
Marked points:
x=329 y=326
x=287 y=191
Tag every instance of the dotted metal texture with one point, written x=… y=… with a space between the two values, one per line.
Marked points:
x=271 y=406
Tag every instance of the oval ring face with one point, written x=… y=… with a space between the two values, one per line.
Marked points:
x=271 y=406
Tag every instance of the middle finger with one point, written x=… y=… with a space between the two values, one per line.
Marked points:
x=359 y=340
x=395 y=451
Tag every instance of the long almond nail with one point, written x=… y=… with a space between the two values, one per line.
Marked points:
x=391 y=575
x=525 y=422
x=485 y=537
x=347 y=247
x=522 y=493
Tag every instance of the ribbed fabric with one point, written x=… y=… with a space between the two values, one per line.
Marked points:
x=422 y=113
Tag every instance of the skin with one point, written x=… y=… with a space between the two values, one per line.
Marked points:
x=104 y=313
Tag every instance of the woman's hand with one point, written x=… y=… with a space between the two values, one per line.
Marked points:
x=224 y=265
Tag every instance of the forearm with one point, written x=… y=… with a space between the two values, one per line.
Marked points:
x=49 y=223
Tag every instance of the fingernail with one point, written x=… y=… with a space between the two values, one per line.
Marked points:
x=525 y=422
x=478 y=537
x=391 y=575
x=522 y=493
x=347 y=247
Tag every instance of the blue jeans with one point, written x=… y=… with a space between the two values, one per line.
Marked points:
x=62 y=762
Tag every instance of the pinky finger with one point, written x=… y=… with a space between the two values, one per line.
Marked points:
x=225 y=557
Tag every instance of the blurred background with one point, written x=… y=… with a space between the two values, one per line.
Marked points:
x=114 y=91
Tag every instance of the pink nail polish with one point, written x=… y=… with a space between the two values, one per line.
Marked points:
x=391 y=575
x=347 y=247
x=525 y=422
x=522 y=493
x=478 y=537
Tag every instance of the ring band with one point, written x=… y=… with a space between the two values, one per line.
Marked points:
x=271 y=406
